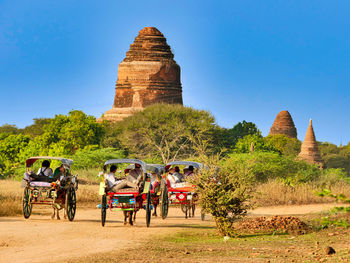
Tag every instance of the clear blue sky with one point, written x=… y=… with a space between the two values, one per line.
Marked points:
x=241 y=60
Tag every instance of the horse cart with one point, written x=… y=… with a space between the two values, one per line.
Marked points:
x=183 y=194
x=55 y=191
x=128 y=200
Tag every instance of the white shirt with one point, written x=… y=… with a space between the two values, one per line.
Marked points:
x=111 y=180
x=173 y=179
x=47 y=171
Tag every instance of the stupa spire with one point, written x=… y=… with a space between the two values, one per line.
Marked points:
x=309 y=149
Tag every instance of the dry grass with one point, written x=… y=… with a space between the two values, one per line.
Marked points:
x=277 y=193
x=10 y=198
x=87 y=195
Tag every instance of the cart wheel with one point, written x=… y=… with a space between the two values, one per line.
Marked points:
x=27 y=206
x=71 y=203
x=103 y=209
x=148 y=209
x=164 y=208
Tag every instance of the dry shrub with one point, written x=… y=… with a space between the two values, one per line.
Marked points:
x=275 y=192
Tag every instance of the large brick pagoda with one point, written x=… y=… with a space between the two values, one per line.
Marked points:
x=148 y=74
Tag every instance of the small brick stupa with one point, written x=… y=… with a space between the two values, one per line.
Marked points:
x=284 y=124
x=309 y=149
x=148 y=74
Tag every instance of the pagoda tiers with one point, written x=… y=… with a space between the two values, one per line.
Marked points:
x=148 y=75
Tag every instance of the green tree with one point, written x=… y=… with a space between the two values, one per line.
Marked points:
x=65 y=134
x=259 y=144
x=9 y=128
x=334 y=156
x=284 y=144
x=10 y=148
x=271 y=165
x=227 y=138
x=37 y=128
x=110 y=138
x=168 y=132
x=92 y=157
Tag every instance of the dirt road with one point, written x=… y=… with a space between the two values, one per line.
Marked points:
x=40 y=239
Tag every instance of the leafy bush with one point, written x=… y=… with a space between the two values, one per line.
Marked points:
x=330 y=177
x=227 y=138
x=269 y=165
x=91 y=157
x=9 y=129
x=335 y=157
x=64 y=135
x=227 y=197
x=284 y=144
x=259 y=143
x=10 y=146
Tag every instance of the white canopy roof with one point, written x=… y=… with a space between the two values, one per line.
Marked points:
x=130 y=161
x=188 y=163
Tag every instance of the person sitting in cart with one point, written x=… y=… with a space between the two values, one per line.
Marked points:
x=189 y=171
x=179 y=175
x=115 y=184
x=44 y=173
x=173 y=179
x=61 y=174
x=135 y=175
x=155 y=181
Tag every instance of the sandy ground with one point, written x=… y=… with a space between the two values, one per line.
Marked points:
x=40 y=239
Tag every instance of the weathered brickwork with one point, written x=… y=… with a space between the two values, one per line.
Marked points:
x=148 y=74
x=284 y=124
x=309 y=149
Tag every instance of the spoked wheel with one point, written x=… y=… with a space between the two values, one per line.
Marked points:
x=164 y=208
x=148 y=209
x=27 y=206
x=103 y=209
x=71 y=203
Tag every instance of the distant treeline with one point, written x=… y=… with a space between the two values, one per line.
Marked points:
x=159 y=134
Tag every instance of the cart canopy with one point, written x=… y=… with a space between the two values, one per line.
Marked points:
x=157 y=168
x=30 y=161
x=130 y=161
x=188 y=163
